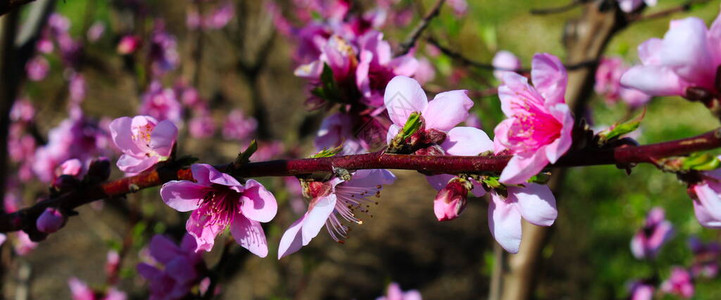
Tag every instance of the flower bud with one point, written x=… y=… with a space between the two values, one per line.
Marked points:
x=51 y=220
x=128 y=44
x=65 y=183
x=451 y=200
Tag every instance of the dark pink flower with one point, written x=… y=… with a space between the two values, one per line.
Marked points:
x=705 y=257
x=538 y=129
x=218 y=200
x=129 y=44
x=177 y=269
x=679 y=283
x=330 y=200
x=377 y=66
x=51 y=220
x=656 y=231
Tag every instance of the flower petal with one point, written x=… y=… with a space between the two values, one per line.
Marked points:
x=504 y=220
x=560 y=146
x=708 y=197
x=258 y=203
x=163 y=249
x=650 y=52
x=536 y=203
x=685 y=51
x=292 y=239
x=404 y=96
x=467 y=141
x=393 y=131
x=163 y=137
x=183 y=195
x=249 y=234
x=500 y=135
x=654 y=80
x=206 y=174
x=439 y=181
x=549 y=77
x=203 y=231
x=521 y=168
x=122 y=136
x=133 y=165
x=316 y=217
x=371 y=178
x=704 y=217
x=447 y=109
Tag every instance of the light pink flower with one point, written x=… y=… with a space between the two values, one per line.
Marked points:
x=330 y=200
x=220 y=17
x=202 y=125
x=679 y=283
x=394 y=292
x=706 y=196
x=218 y=200
x=688 y=56
x=608 y=83
x=404 y=96
x=640 y=290
x=177 y=268
x=538 y=129
x=143 y=140
x=534 y=203
x=656 y=231
x=631 y=5
x=505 y=62
x=23 y=244
x=81 y=291
x=95 y=32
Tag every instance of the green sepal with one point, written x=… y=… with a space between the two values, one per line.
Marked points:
x=328 y=152
x=412 y=125
x=244 y=157
x=701 y=162
x=618 y=130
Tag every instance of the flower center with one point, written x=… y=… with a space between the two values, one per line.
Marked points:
x=219 y=205
x=532 y=129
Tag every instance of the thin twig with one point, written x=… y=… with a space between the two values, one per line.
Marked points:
x=24 y=219
x=667 y=12
x=410 y=42
x=484 y=66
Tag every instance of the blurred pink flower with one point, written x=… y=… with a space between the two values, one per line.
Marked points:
x=687 y=57
x=705 y=258
x=129 y=44
x=143 y=140
x=161 y=103
x=220 y=16
x=329 y=201
x=655 y=232
x=81 y=291
x=608 y=83
x=377 y=66
x=640 y=290
x=679 y=283
x=394 y=292
x=238 y=126
x=631 y=5
x=202 y=125
x=37 y=68
x=95 y=32
x=538 y=129
x=505 y=62
x=218 y=200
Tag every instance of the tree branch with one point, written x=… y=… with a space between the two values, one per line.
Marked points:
x=667 y=12
x=24 y=219
x=416 y=32
x=7 y=5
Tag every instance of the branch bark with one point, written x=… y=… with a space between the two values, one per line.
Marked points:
x=24 y=219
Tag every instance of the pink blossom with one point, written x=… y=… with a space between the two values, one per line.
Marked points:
x=22 y=110
x=163 y=50
x=608 y=83
x=459 y=7
x=641 y=291
x=51 y=220
x=220 y=17
x=161 y=103
x=23 y=244
x=95 y=32
x=656 y=231
x=238 y=126
x=112 y=263
x=143 y=140
x=37 y=68
x=505 y=62
x=330 y=200
x=706 y=195
x=77 y=88
x=218 y=200
x=538 y=129
x=631 y=5
x=81 y=291
x=679 y=283
x=687 y=57
x=202 y=125
x=337 y=130
x=267 y=150
x=177 y=268
x=533 y=202
x=404 y=96
x=705 y=257
x=129 y=44
x=377 y=66
x=451 y=200
x=394 y=292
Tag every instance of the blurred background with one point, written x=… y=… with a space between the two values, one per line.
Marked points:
x=242 y=70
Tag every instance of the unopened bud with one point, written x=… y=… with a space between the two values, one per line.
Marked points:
x=451 y=200
x=65 y=183
x=51 y=220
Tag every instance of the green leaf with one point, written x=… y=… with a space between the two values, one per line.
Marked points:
x=328 y=152
x=618 y=130
x=701 y=162
x=412 y=125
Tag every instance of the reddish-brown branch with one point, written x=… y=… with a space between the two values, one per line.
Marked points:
x=24 y=219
